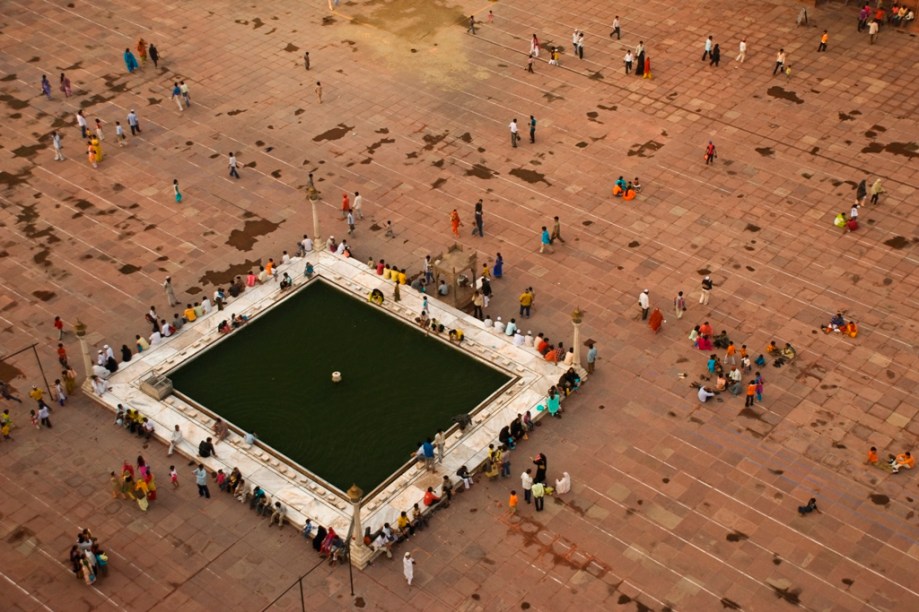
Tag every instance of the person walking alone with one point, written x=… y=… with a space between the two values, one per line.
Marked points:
x=716 y=56
x=710 y=153
x=177 y=95
x=133 y=123
x=478 y=220
x=170 y=292
x=306 y=59
x=154 y=54
x=742 y=51
x=557 y=231
x=823 y=40
x=532 y=129
x=545 y=241
x=233 y=165
x=56 y=141
x=616 y=29
x=627 y=60
x=184 y=89
x=408 y=564
x=679 y=305
x=706 y=290
x=514 y=134
x=779 y=62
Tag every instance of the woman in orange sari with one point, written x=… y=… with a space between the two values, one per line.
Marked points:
x=656 y=320
x=142 y=51
x=455 y=223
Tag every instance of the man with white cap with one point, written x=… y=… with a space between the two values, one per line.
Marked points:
x=706 y=290
x=109 y=353
x=499 y=325
x=408 y=568
x=100 y=358
x=644 y=301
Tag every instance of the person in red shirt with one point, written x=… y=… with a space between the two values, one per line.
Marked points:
x=62 y=354
x=429 y=498
x=59 y=326
x=705 y=329
x=552 y=354
x=345 y=205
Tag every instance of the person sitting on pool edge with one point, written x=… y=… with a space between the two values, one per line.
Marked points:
x=456 y=335
x=308 y=270
x=286 y=281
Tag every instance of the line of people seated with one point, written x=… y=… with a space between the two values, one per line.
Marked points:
x=839 y=325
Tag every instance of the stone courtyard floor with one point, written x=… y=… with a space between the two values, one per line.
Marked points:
x=674 y=505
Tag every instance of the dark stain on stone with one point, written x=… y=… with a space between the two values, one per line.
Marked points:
x=221 y=277
x=778 y=92
x=634 y=244
x=336 y=133
x=291 y=47
x=19 y=534
x=551 y=97
x=776 y=472
x=587 y=223
x=257 y=23
x=887 y=281
x=879 y=499
x=776 y=560
x=439 y=163
x=581 y=145
x=766 y=151
x=645 y=150
x=530 y=176
x=438 y=183
x=13 y=103
x=791 y=596
x=665 y=480
x=298 y=112
x=233 y=113
x=752 y=228
x=128 y=269
x=44 y=296
x=9 y=77
x=897 y=242
x=480 y=171
x=736 y=536
x=372 y=148
x=432 y=140
x=328 y=20
x=905 y=149
x=728 y=604
x=466 y=137
x=751 y=414
x=27 y=151
x=624 y=599
x=276 y=174
x=245 y=238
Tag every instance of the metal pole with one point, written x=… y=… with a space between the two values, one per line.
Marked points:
x=45 y=378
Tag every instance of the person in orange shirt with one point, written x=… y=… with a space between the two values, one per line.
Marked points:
x=903 y=460
x=751 y=391
x=873 y=456
x=729 y=356
x=345 y=205
x=823 y=41
x=455 y=223
x=552 y=355
x=617 y=191
x=512 y=502
x=269 y=267
x=629 y=193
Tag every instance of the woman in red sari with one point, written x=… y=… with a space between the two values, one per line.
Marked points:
x=455 y=223
x=656 y=320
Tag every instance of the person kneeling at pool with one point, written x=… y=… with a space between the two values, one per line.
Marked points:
x=456 y=335
x=223 y=327
x=376 y=296
x=286 y=281
x=308 y=270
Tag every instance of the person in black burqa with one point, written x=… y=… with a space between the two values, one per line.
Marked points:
x=542 y=465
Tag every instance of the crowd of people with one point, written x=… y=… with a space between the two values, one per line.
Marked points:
x=88 y=561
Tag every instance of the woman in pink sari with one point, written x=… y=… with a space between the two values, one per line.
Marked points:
x=65 y=86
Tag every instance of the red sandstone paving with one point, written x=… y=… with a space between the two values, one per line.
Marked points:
x=660 y=482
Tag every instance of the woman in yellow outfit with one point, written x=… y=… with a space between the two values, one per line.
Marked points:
x=97 y=146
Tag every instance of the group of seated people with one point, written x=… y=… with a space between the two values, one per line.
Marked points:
x=388 y=272
x=899 y=14
x=408 y=524
x=339 y=248
x=627 y=190
x=839 y=325
x=904 y=460
x=847 y=224
x=134 y=422
x=235 y=322
x=787 y=353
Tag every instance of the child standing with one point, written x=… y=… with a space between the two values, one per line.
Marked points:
x=173 y=477
x=34 y=418
x=512 y=502
x=729 y=356
x=119 y=134
x=59 y=389
x=760 y=381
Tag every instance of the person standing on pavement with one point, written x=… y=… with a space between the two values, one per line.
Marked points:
x=644 y=302
x=557 y=231
x=710 y=153
x=133 y=123
x=616 y=29
x=177 y=96
x=81 y=122
x=184 y=89
x=779 y=62
x=471 y=28
x=876 y=191
x=709 y=43
x=545 y=241
x=716 y=56
x=478 y=220
x=350 y=220
x=526 y=303
x=514 y=134
x=319 y=91
x=679 y=305
x=706 y=290
x=440 y=444
x=591 y=356
x=538 y=491
x=170 y=292
x=455 y=223
x=201 y=480
x=358 y=205
x=526 y=482
x=742 y=51
x=233 y=165
x=532 y=129
x=574 y=42
x=823 y=40
x=154 y=54
x=627 y=60
x=408 y=564
x=56 y=141
x=580 y=45
x=873 y=31
x=306 y=59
